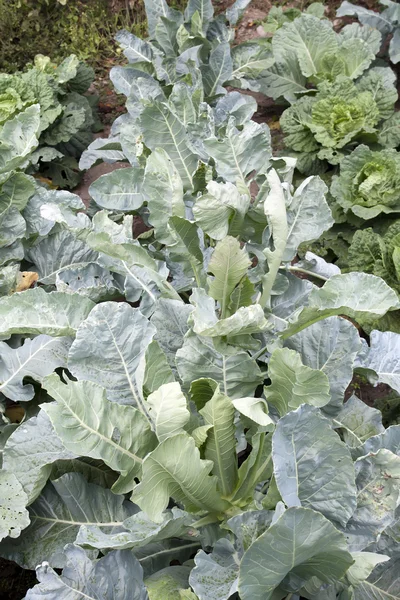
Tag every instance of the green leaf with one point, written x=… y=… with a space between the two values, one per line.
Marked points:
x=89 y=579
x=175 y=469
x=377 y=479
x=275 y=211
x=138 y=531
x=215 y=576
x=382 y=585
x=18 y=138
x=31 y=451
x=108 y=349
x=312 y=466
x=118 y=435
x=255 y=409
x=220 y=446
x=235 y=371
x=300 y=545
x=168 y=410
x=308 y=215
x=120 y=190
x=241 y=152
x=35 y=311
x=203 y=7
x=293 y=383
x=228 y=264
x=163 y=189
x=310 y=39
x=162 y=129
x=187 y=246
x=222 y=208
x=218 y=70
x=168 y=584
x=15 y=191
x=155 y=9
x=13 y=515
x=331 y=346
x=357 y=295
x=382 y=359
x=35 y=358
x=358 y=422
x=57 y=252
x=135 y=49
x=57 y=515
x=157 y=370
x=246 y=320
x=170 y=320
x=91 y=281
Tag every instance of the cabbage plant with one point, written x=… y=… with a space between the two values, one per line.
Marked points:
x=325 y=125
x=386 y=22
x=308 y=51
x=185 y=434
x=66 y=116
x=369 y=183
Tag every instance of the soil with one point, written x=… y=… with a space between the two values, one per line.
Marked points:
x=14 y=581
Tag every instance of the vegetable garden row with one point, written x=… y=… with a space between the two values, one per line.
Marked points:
x=173 y=415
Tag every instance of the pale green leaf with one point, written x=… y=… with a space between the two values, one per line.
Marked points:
x=330 y=346
x=86 y=579
x=57 y=252
x=220 y=446
x=13 y=515
x=359 y=296
x=175 y=469
x=235 y=371
x=293 y=383
x=378 y=494
x=108 y=349
x=358 y=422
x=138 y=531
x=228 y=264
x=35 y=311
x=118 y=435
x=35 y=358
x=215 y=576
x=120 y=190
x=168 y=410
x=312 y=466
x=57 y=515
x=163 y=189
x=309 y=545
x=31 y=451
x=241 y=152
x=162 y=129
x=221 y=209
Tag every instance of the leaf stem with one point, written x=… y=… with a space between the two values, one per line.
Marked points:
x=207 y=520
x=305 y=272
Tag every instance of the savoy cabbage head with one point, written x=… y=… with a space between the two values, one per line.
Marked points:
x=369 y=182
x=66 y=115
x=325 y=125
